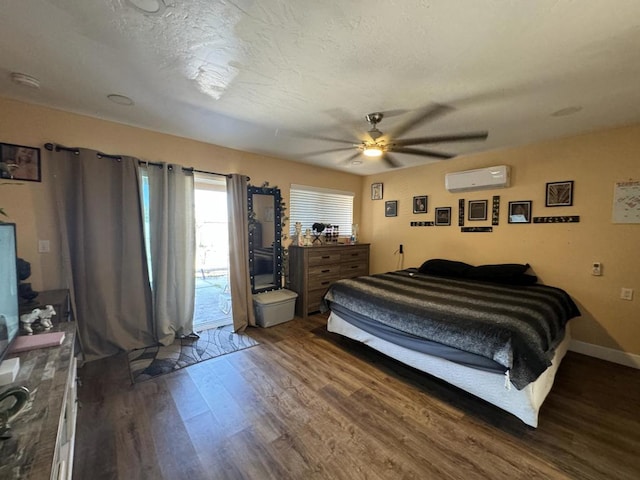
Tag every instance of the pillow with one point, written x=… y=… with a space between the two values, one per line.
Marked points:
x=507 y=273
x=447 y=268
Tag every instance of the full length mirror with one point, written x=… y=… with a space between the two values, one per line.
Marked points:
x=265 y=244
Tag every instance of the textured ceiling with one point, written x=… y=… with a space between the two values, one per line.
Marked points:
x=250 y=74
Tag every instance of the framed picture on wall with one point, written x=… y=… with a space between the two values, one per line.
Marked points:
x=520 y=212
x=559 y=194
x=420 y=204
x=443 y=216
x=376 y=191
x=478 y=209
x=18 y=162
x=391 y=208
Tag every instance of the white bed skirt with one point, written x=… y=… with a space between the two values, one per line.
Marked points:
x=524 y=404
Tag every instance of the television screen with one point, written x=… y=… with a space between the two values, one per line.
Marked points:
x=9 y=318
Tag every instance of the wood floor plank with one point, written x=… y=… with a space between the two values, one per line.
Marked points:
x=308 y=404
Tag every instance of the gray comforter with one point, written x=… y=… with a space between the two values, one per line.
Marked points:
x=516 y=326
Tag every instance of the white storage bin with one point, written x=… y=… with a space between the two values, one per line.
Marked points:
x=274 y=307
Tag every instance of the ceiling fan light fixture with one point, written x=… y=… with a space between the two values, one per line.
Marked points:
x=373 y=151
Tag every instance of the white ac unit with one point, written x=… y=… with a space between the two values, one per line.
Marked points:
x=480 y=179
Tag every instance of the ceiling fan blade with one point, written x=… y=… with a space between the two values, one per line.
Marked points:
x=391 y=161
x=351 y=158
x=330 y=150
x=422 y=116
x=422 y=153
x=463 y=137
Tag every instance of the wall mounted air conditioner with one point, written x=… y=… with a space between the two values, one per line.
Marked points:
x=480 y=179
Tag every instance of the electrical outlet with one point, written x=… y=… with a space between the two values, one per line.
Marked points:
x=596 y=268
x=43 y=246
x=626 y=293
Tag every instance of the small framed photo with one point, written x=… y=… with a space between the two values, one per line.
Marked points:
x=18 y=162
x=443 y=216
x=520 y=212
x=478 y=209
x=376 y=191
x=391 y=208
x=420 y=204
x=559 y=194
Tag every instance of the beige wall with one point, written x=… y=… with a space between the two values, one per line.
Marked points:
x=29 y=204
x=560 y=254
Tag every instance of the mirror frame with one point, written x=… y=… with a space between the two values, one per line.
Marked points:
x=277 y=244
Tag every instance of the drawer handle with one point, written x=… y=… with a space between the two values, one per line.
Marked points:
x=325 y=271
x=326 y=256
x=324 y=283
x=355 y=266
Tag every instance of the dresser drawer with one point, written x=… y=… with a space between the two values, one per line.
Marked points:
x=323 y=281
x=354 y=269
x=323 y=258
x=320 y=271
x=355 y=254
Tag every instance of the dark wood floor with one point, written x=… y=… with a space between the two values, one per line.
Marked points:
x=306 y=404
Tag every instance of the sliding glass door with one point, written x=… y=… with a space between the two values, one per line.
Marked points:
x=213 y=296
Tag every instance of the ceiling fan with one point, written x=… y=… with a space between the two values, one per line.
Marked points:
x=380 y=145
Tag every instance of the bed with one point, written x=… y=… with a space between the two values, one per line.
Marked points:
x=489 y=330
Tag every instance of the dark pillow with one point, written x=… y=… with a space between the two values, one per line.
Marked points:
x=506 y=273
x=497 y=271
x=522 y=279
x=446 y=268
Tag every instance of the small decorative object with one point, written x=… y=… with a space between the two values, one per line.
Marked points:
x=461 y=212
x=20 y=397
x=443 y=216
x=520 y=212
x=391 y=208
x=45 y=316
x=25 y=292
x=298 y=240
x=354 y=233
x=28 y=319
x=495 y=210
x=420 y=204
x=559 y=194
x=18 y=162
x=307 y=238
x=318 y=228
x=376 y=191
x=478 y=209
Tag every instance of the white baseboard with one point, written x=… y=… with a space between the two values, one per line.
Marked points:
x=604 y=353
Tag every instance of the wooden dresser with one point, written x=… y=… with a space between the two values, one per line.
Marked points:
x=313 y=269
x=43 y=433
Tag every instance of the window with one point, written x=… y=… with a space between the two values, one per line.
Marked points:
x=309 y=205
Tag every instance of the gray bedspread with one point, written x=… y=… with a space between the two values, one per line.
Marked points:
x=518 y=327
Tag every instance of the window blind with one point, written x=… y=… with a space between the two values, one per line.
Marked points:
x=309 y=205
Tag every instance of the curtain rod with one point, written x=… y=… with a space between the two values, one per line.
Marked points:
x=76 y=151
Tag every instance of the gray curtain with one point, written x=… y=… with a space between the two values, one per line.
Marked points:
x=241 y=297
x=104 y=261
x=172 y=249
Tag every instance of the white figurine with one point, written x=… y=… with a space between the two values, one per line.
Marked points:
x=307 y=238
x=45 y=316
x=299 y=240
x=28 y=318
